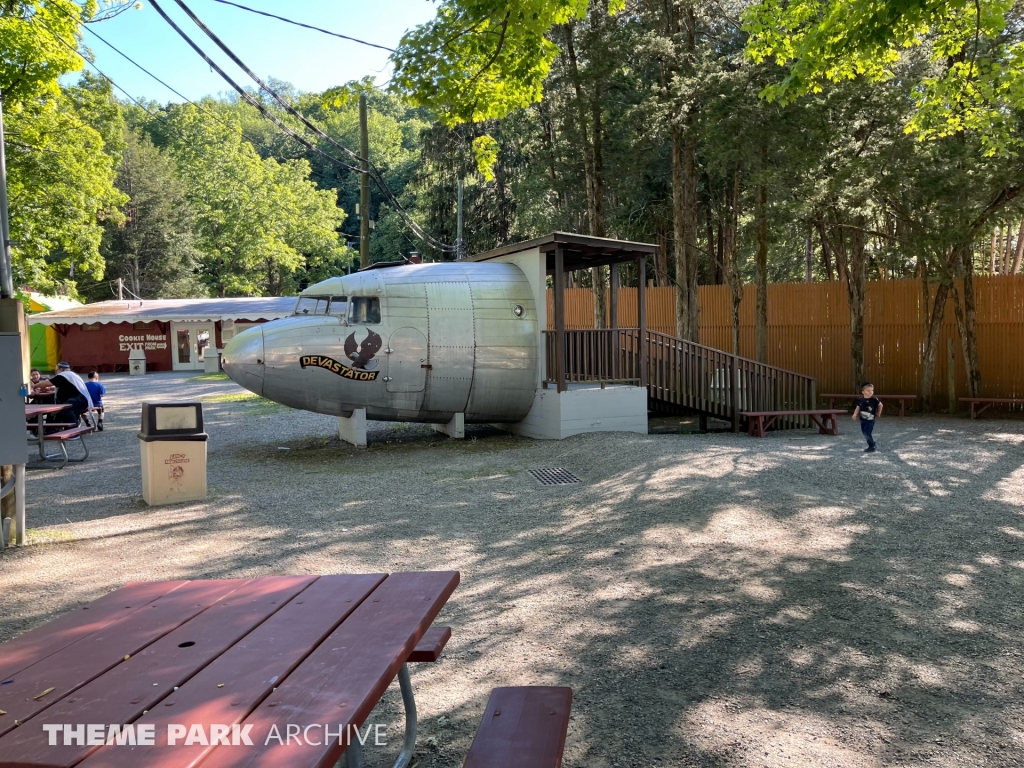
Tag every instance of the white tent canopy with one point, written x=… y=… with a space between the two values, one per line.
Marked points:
x=164 y=310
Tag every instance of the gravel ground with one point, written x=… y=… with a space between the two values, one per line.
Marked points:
x=713 y=600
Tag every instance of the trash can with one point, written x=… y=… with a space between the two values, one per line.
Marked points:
x=211 y=360
x=173 y=448
x=136 y=361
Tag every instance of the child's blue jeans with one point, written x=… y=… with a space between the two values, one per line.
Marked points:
x=866 y=426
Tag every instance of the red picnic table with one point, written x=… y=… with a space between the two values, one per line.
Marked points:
x=38 y=411
x=274 y=672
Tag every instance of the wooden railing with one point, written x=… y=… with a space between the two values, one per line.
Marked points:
x=681 y=374
x=605 y=355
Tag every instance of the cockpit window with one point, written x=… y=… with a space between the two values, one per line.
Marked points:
x=311 y=306
x=363 y=310
x=339 y=306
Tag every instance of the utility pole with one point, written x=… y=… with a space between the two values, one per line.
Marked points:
x=6 y=265
x=364 y=186
x=460 y=248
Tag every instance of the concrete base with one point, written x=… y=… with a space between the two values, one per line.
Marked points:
x=455 y=428
x=581 y=409
x=353 y=428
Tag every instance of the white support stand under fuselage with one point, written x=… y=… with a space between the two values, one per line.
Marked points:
x=455 y=428
x=352 y=429
x=584 y=408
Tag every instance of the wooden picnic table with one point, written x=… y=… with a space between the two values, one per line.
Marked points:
x=902 y=399
x=759 y=422
x=225 y=658
x=38 y=411
x=987 y=402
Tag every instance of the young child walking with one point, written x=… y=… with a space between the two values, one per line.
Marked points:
x=96 y=392
x=868 y=409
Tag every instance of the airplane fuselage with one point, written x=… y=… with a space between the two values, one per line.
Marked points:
x=411 y=343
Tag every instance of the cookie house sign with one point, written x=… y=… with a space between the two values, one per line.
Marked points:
x=149 y=342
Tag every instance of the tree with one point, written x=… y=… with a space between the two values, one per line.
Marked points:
x=262 y=227
x=61 y=184
x=152 y=249
x=975 y=48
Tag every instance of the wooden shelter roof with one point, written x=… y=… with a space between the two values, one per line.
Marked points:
x=578 y=251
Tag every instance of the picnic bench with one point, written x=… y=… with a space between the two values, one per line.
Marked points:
x=901 y=399
x=66 y=432
x=759 y=422
x=229 y=658
x=988 y=402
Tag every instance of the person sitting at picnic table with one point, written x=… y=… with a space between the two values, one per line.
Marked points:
x=42 y=389
x=96 y=392
x=71 y=391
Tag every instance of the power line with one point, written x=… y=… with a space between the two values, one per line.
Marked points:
x=245 y=94
x=212 y=115
x=374 y=172
x=307 y=26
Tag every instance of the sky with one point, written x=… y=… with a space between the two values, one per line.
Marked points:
x=309 y=60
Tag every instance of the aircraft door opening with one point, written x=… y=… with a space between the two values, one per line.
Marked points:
x=406 y=361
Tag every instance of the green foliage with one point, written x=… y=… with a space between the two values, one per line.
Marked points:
x=261 y=225
x=480 y=59
x=152 y=249
x=975 y=47
x=36 y=46
x=485 y=149
x=60 y=185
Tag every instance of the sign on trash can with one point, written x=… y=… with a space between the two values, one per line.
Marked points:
x=173 y=447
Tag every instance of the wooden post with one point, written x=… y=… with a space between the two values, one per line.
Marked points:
x=734 y=387
x=613 y=319
x=641 y=306
x=559 y=302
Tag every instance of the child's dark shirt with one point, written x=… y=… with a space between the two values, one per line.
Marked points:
x=868 y=407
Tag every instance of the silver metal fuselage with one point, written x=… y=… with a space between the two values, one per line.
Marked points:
x=450 y=338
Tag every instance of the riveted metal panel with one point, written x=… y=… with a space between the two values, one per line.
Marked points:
x=452 y=346
x=407 y=358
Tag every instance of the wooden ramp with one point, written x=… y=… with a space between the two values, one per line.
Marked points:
x=681 y=376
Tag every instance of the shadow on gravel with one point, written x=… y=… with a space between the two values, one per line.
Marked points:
x=713 y=600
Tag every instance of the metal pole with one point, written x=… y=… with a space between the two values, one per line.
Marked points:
x=364 y=185
x=6 y=266
x=460 y=252
x=409 y=743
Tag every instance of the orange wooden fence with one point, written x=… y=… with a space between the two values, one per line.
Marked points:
x=809 y=331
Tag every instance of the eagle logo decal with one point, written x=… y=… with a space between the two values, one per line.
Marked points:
x=361 y=355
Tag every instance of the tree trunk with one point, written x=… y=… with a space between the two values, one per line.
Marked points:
x=967 y=325
x=679 y=249
x=761 y=263
x=732 y=269
x=931 y=342
x=661 y=260
x=692 y=226
x=1008 y=250
x=592 y=167
x=808 y=256
x=856 y=286
x=1019 y=256
x=826 y=257
x=993 y=251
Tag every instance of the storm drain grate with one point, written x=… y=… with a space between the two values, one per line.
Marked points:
x=554 y=476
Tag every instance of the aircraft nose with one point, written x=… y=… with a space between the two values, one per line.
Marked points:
x=243 y=359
